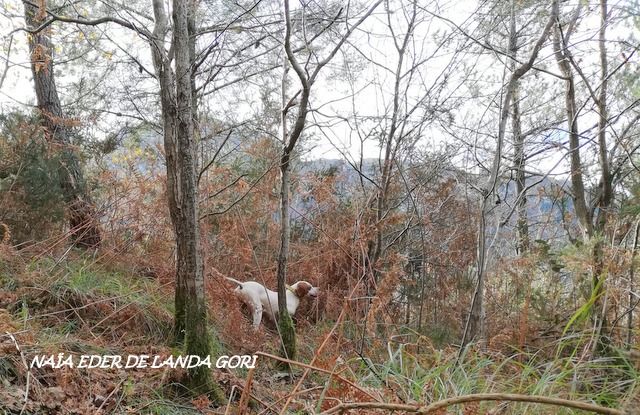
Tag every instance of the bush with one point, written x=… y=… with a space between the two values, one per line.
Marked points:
x=32 y=201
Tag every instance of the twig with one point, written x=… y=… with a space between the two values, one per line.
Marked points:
x=246 y=391
x=24 y=362
x=109 y=316
x=233 y=389
x=215 y=156
x=110 y=394
x=6 y=66
x=241 y=197
x=75 y=309
x=255 y=398
x=302 y=392
x=478 y=397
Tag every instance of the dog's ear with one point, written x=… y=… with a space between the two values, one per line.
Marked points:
x=302 y=289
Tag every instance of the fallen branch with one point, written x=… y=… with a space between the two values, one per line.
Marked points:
x=231 y=395
x=421 y=409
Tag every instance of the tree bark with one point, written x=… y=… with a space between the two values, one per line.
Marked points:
x=632 y=301
x=192 y=31
x=190 y=266
x=166 y=78
x=606 y=184
x=285 y=323
x=521 y=190
x=83 y=224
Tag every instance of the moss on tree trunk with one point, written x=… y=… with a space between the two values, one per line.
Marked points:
x=288 y=335
x=199 y=380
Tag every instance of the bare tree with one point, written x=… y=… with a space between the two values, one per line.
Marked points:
x=593 y=226
x=474 y=329
x=307 y=74
x=417 y=100
x=395 y=135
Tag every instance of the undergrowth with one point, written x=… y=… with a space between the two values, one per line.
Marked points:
x=77 y=306
x=418 y=372
x=91 y=296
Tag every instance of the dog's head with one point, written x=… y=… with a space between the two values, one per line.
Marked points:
x=302 y=288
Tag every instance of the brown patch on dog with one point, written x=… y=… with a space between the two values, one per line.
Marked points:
x=302 y=289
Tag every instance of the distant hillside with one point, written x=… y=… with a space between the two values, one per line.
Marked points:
x=544 y=211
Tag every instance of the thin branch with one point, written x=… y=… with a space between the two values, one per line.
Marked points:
x=215 y=156
x=84 y=22
x=490 y=47
x=242 y=197
x=228 y=186
x=6 y=66
x=479 y=397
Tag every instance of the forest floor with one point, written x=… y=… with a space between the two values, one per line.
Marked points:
x=78 y=306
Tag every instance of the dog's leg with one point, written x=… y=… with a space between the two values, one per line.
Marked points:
x=257 y=314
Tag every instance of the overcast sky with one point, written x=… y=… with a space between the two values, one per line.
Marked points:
x=373 y=83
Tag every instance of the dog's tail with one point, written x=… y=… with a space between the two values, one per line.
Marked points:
x=235 y=281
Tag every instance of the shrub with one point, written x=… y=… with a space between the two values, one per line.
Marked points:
x=32 y=202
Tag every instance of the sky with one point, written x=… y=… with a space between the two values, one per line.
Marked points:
x=374 y=84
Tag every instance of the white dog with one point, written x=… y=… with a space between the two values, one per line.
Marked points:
x=259 y=298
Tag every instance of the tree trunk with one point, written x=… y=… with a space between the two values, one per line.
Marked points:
x=522 y=226
x=285 y=323
x=190 y=266
x=605 y=195
x=289 y=141
x=83 y=224
x=521 y=189
x=577 y=183
x=166 y=78
x=192 y=30
x=474 y=329
x=187 y=226
x=286 y=328
x=632 y=302
x=176 y=97
x=605 y=186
